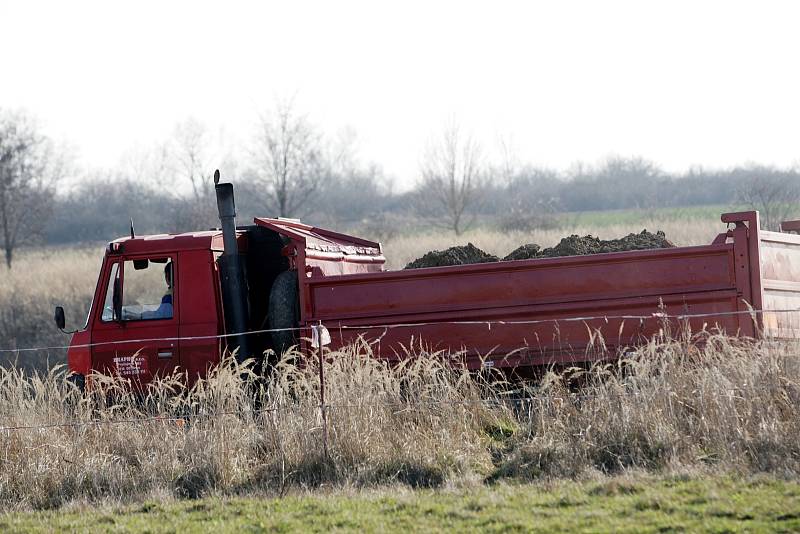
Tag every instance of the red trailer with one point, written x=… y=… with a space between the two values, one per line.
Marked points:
x=542 y=311
x=226 y=287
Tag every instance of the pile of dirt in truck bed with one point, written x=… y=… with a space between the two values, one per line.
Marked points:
x=461 y=255
x=573 y=245
x=525 y=252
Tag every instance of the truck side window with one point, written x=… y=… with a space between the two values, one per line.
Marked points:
x=147 y=292
x=108 y=302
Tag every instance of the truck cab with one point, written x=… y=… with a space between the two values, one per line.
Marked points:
x=177 y=302
x=156 y=308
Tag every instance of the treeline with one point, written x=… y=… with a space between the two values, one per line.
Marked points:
x=98 y=209
x=634 y=183
x=622 y=183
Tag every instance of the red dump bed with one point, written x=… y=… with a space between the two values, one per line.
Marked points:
x=534 y=312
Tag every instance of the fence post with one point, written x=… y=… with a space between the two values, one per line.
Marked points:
x=322 y=408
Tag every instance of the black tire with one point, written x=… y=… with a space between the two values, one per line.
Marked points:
x=78 y=380
x=284 y=311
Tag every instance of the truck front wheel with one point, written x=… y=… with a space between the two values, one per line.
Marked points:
x=284 y=311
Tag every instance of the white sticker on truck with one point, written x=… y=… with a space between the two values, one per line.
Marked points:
x=134 y=365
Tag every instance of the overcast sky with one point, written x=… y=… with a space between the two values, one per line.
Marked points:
x=682 y=83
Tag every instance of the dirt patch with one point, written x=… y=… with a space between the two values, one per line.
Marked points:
x=525 y=252
x=461 y=255
x=575 y=245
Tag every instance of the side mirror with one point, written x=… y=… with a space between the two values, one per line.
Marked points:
x=59 y=317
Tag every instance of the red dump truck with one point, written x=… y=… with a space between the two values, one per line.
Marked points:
x=177 y=302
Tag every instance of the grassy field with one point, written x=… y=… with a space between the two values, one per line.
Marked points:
x=618 y=504
x=599 y=219
x=416 y=446
x=721 y=406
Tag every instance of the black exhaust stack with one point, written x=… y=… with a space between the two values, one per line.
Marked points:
x=234 y=286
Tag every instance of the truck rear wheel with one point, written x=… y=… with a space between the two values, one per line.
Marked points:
x=78 y=380
x=284 y=311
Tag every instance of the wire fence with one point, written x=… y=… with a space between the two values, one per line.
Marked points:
x=389 y=326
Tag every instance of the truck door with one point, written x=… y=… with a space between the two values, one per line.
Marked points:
x=135 y=331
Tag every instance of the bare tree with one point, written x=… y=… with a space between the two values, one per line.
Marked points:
x=637 y=176
x=288 y=152
x=453 y=177
x=353 y=191
x=29 y=168
x=189 y=151
x=529 y=200
x=775 y=194
x=146 y=164
x=508 y=166
x=617 y=183
x=192 y=155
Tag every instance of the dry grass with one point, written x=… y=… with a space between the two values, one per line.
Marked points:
x=214 y=438
x=39 y=280
x=675 y=405
x=710 y=401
